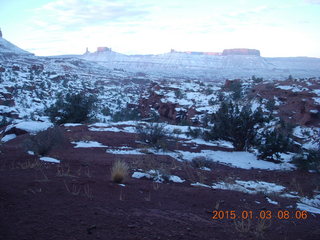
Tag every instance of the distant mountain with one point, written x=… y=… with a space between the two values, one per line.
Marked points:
x=8 y=49
x=232 y=63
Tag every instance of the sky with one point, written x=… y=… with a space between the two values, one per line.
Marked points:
x=278 y=28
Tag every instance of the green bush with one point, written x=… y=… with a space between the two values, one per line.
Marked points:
x=272 y=144
x=235 y=125
x=201 y=162
x=308 y=160
x=128 y=113
x=154 y=134
x=194 y=133
x=73 y=108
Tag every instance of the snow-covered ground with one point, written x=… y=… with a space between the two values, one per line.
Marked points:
x=87 y=144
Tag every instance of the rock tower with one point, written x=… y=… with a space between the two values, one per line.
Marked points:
x=0 y=33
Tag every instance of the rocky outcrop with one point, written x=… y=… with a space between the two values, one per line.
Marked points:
x=240 y=51
x=167 y=111
x=296 y=107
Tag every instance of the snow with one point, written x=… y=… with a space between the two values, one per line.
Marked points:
x=8 y=137
x=33 y=127
x=156 y=176
x=244 y=160
x=271 y=201
x=251 y=187
x=218 y=143
x=140 y=175
x=315 y=111
x=291 y=88
x=308 y=208
x=197 y=184
x=31 y=153
x=49 y=159
x=205 y=169
x=176 y=179
x=87 y=144
x=8 y=47
x=72 y=124
x=310 y=204
x=124 y=151
x=317 y=91
x=317 y=100
x=255 y=105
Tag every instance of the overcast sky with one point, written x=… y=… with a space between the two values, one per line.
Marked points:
x=278 y=28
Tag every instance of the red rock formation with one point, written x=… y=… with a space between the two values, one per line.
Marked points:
x=240 y=51
x=297 y=107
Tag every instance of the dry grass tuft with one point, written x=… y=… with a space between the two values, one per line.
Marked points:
x=119 y=171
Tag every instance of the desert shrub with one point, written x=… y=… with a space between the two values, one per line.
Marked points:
x=73 y=108
x=177 y=131
x=256 y=79
x=106 y=111
x=178 y=94
x=235 y=125
x=308 y=160
x=119 y=171
x=208 y=91
x=194 y=133
x=44 y=141
x=272 y=144
x=154 y=134
x=4 y=121
x=270 y=105
x=236 y=89
x=201 y=162
x=128 y=113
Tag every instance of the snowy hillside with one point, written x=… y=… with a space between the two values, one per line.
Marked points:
x=210 y=66
x=9 y=49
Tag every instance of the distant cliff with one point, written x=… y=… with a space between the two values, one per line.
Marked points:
x=240 y=51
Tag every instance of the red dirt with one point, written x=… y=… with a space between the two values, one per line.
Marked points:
x=35 y=203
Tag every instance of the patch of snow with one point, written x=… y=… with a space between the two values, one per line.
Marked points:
x=271 y=201
x=317 y=100
x=315 y=111
x=122 y=151
x=33 y=127
x=316 y=91
x=244 y=160
x=176 y=179
x=31 y=153
x=205 y=169
x=140 y=175
x=308 y=208
x=218 y=143
x=88 y=144
x=49 y=159
x=255 y=105
x=251 y=187
x=8 y=137
x=197 y=184
x=121 y=184
x=72 y=124
x=310 y=204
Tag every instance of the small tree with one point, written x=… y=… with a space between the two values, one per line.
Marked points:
x=272 y=144
x=73 y=108
x=308 y=160
x=235 y=125
x=154 y=134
